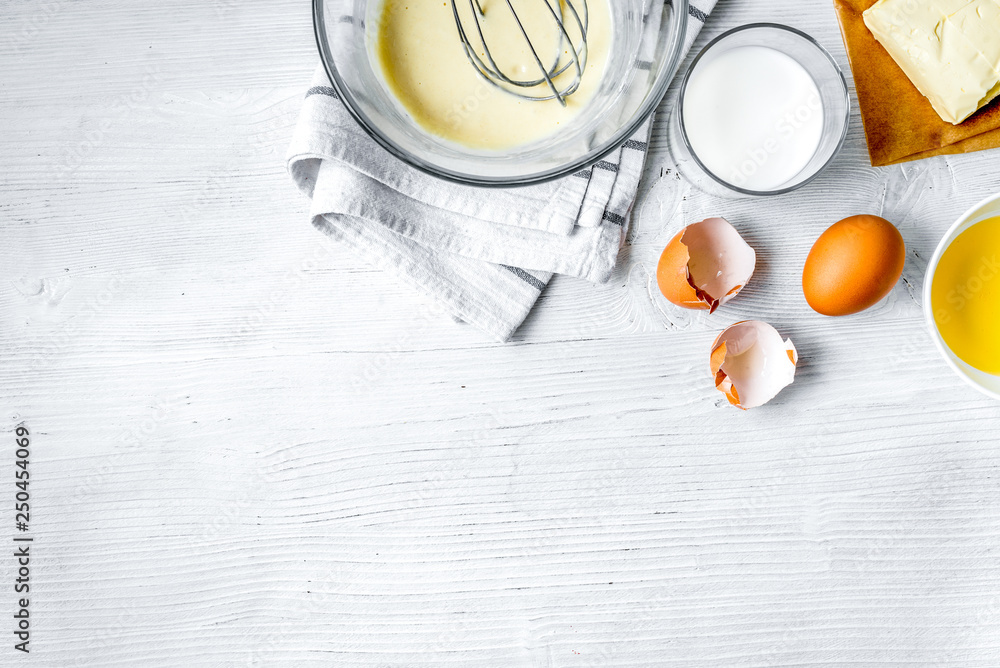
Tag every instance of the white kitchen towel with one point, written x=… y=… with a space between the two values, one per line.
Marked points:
x=484 y=254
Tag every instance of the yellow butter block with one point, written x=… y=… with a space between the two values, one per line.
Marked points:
x=949 y=49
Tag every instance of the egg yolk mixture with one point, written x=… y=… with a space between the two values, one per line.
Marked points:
x=426 y=68
x=965 y=296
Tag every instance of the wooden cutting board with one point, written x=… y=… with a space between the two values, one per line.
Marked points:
x=900 y=123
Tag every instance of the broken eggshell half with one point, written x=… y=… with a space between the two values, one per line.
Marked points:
x=751 y=363
x=705 y=265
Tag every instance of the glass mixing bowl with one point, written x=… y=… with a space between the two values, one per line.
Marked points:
x=645 y=55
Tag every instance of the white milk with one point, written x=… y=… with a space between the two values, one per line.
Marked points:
x=753 y=116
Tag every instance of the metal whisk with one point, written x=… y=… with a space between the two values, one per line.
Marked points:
x=570 y=56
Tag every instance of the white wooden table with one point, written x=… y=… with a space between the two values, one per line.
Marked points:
x=248 y=448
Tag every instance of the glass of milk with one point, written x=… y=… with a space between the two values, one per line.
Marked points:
x=762 y=110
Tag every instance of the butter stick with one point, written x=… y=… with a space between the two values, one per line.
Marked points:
x=949 y=49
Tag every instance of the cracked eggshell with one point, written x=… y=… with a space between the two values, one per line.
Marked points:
x=705 y=265
x=751 y=363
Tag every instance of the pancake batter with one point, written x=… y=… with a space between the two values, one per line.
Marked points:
x=426 y=68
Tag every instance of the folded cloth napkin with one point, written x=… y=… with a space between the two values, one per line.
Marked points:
x=484 y=254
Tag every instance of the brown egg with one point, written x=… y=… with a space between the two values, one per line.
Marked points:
x=853 y=265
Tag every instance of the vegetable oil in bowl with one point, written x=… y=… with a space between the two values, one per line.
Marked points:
x=965 y=296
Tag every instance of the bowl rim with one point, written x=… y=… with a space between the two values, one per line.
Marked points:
x=652 y=102
x=822 y=50
x=946 y=241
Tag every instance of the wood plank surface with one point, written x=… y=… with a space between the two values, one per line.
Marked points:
x=248 y=448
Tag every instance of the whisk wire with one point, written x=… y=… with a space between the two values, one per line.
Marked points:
x=575 y=58
x=493 y=74
x=538 y=61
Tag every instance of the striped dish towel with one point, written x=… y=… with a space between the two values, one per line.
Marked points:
x=485 y=255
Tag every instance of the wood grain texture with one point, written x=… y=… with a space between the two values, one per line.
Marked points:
x=250 y=449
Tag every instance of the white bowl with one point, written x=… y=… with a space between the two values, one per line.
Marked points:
x=986 y=383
